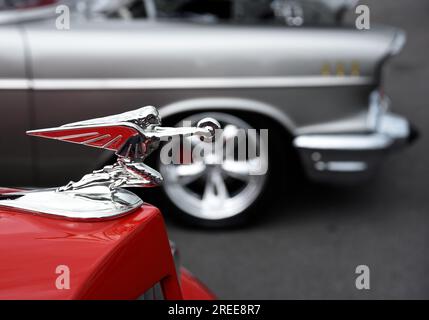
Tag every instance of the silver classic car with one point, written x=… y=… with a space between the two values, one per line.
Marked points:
x=315 y=83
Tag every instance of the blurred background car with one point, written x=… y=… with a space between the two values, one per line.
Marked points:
x=289 y=12
x=292 y=67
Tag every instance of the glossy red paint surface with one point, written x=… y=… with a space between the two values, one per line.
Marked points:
x=114 y=259
x=7 y=190
x=192 y=288
x=107 y=137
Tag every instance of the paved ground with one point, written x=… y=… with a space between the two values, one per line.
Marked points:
x=309 y=249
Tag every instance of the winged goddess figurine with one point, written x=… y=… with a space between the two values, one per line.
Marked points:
x=133 y=136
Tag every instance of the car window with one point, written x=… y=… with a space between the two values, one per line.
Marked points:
x=24 y=4
x=285 y=12
x=20 y=11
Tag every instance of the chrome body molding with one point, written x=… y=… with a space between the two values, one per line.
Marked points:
x=15 y=84
x=341 y=166
x=343 y=142
x=348 y=156
x=25 y=15
x=133 y=136
x=184 y=83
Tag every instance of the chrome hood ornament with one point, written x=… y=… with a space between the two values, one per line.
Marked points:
x=133 y=136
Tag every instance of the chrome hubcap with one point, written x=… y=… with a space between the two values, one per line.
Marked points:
x=216 y=186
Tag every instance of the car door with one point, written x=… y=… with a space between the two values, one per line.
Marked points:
x=15 y=107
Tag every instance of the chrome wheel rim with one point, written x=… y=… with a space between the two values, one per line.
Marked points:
x=211 y=189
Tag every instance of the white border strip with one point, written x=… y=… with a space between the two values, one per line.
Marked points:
x=184 y=83
x=14 y=84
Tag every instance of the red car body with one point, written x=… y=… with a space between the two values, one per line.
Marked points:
x=121 y=258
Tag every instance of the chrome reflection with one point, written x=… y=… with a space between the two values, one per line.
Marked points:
x=133 y=136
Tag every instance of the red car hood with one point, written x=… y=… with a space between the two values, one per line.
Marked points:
x=113 y=259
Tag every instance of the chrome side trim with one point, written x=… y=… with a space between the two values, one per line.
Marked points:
x=343 y=142
x=341 y=166
x=184 y=83
x=398 y=43
x=23 y=15
x=15 y=84
x=378 y=107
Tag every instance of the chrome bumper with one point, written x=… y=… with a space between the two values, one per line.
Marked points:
x=350 y=157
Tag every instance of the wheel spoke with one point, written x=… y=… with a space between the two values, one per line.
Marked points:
x=187 y=173
x=240 y=169
x=215 y=191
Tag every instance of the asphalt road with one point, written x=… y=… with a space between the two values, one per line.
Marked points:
x=308 y=245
